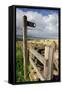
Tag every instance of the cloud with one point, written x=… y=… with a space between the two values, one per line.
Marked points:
x=46 y=25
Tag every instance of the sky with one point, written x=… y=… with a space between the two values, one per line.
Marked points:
x=46 y=21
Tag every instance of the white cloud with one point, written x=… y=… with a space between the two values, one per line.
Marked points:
x=45 y=25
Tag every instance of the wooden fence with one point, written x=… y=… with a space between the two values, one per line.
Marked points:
x=47 y=61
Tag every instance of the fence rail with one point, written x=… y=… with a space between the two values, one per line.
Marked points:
x=37 y=55
x=36 y=69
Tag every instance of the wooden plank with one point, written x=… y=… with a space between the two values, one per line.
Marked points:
x=45 y=65
x=45 y=70
x=38 y=56
x=46 y=52
x=50 y=62
x=25 y=47
x=56 y=64
x=56 y=58
x=36 y=69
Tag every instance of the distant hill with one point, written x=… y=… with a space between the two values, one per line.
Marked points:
x=20 y=37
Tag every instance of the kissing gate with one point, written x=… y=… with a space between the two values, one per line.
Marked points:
x=41 y=62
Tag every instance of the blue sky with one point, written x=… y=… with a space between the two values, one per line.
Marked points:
x=46 y=22
x=41 y=11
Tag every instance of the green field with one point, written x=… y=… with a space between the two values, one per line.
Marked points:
x=19 y=63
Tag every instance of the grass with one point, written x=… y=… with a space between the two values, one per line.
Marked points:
x=19 y=63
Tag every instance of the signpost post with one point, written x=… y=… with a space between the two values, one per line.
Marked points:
x=25 y=46
x=25 y=52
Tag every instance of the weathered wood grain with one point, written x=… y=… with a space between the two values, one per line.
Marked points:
x=36 y=69
x=38 y=56
x=25 y=53
x=50 y=62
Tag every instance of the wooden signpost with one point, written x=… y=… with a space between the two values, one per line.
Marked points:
x=49 y=51
x=25 y=52
x=25 y=46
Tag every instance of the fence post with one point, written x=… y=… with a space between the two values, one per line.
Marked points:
x=48 y=67
x=25 y=47
x=46 y=62
x=50 y=62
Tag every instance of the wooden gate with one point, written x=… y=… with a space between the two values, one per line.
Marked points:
x=45 y=70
